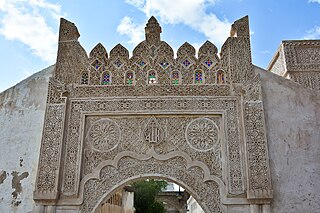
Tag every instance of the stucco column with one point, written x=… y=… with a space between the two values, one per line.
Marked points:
x=266 y=208
x=254 y=208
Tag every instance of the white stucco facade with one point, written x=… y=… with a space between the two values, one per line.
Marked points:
x=22 y=110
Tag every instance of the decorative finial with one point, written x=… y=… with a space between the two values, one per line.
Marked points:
x=153 y=31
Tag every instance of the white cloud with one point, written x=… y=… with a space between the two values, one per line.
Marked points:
x=192 y=13
x=314 y=1
x=314 y=33
x=136 y=3
x=27 y=22
x=132 y=30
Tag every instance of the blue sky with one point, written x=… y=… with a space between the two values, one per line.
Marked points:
x=29 y=28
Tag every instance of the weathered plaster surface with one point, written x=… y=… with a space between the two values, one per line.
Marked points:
x=21 y=119
x=293 y=129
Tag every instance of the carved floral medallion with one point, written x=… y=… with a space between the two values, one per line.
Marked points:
x=202 y=134
x=104 y=135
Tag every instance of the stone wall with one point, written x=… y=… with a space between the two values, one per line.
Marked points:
x=292 y=115
x=21 y=119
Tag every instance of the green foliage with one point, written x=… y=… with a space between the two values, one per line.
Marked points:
x=145 y=194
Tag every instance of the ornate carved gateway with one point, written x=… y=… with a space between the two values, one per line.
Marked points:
x=197 y=121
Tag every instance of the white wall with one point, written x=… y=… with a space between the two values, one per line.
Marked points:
x=21 y=119
x=293 y=129
x=193 y=206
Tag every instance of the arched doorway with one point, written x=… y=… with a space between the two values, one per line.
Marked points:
x=176 y=167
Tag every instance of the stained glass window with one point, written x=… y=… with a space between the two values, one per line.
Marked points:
x=175 y=77
x=84 y=78
x=106 y=78
x=141 y=63
x=129 y=78
x=117 y=63
x=186 y=62
x=96 y=64
x=208 y=62
x=152 y=77
x=198 y=77
x=220 y=77
x=164 y=63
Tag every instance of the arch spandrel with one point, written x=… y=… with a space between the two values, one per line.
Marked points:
x=211 y=131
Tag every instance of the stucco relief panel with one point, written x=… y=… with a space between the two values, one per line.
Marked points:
x=200 y=128
x=166 y=133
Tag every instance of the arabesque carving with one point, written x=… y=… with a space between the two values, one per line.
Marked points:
x=112 y=119
x=299 y=61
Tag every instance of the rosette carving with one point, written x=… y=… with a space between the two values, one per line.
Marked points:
x=202 y=134
x=104 y=135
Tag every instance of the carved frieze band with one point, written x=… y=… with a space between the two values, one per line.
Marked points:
x=258 y=171
x=307 y=79
x=50 y=153
x=151 y=90
x=302 y=56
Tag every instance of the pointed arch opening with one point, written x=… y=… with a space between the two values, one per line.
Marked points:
x=198 y=77
x=221 y=77
x=84 y=78
x=106 y=78
x=175 y=196
x=152 y=77
x=129 y=78
x=175 y=77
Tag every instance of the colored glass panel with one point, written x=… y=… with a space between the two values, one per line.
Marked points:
x=208 y=62
x=186 y=63
x=106 y=78
x=164 y=64
x=220 y=77
x=117 y=63
x=198 y=77
x=175 y=78
x=129 y=78
x=152 y=77
x=96 y=64
x=141 y=63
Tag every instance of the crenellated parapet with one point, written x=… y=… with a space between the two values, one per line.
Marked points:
x=154 y=65
x=152 y=62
